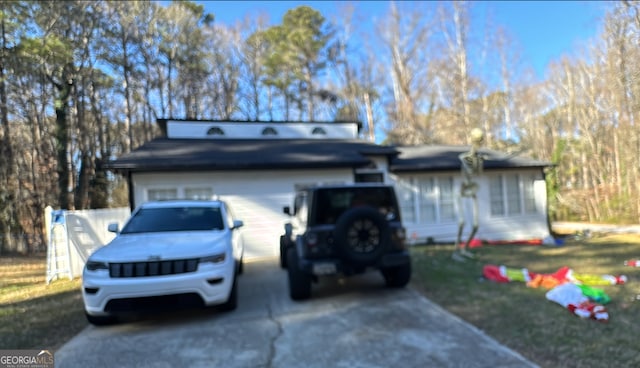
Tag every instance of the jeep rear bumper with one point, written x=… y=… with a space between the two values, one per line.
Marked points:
x=331 y=266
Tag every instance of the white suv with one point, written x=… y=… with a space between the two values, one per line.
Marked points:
x=169 y=254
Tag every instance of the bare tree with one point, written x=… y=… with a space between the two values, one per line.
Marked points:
x=456 y=35
x=253 y=53
x=407 y=38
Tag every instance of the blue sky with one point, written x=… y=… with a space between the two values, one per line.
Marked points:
x=544 y=30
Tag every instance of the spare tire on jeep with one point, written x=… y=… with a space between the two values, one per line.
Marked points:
x=362 y=235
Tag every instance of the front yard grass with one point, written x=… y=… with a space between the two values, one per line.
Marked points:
x=34 y=315
x=522 y=318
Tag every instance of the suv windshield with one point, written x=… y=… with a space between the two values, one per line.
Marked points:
x=332 y=202
x=152 y=220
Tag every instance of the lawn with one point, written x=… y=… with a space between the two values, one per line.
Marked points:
x=34 y=315
x=522 y=318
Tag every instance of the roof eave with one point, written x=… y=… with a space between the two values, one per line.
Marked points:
x=123 y=168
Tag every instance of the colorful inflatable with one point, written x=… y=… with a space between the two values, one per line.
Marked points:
x=632 y=263
x=571 y=297
x=574 y=291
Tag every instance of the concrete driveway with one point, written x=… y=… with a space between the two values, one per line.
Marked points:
x=354 y=322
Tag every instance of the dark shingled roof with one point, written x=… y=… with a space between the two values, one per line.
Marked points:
x=163 y=154
x=444 y=158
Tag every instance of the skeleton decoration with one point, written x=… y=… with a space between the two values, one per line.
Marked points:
x=471 y=166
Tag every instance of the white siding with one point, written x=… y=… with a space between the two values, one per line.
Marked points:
x=257 y=198
x=526 y=225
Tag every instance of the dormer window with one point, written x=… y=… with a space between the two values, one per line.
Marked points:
x=318 y=131
x=269 y=131
x=215 y=131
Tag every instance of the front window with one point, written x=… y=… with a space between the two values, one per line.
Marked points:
x=198 y=193
x=406 y=200
x=447 y=199
x=497 y=200
x=428 y=195
x=162 y=194
x=427 y=200
x=512 y=194
x=152 y=220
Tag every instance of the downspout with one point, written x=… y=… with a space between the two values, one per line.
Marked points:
x=546 y=206
x=132 y=205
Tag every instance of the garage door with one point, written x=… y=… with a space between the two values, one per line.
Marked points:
x=257 y=199
x=263 y=221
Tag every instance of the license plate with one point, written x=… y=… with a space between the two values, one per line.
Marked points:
x=324 y=268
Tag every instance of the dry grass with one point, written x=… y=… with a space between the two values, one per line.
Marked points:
x=34 y=315
x=522 y=318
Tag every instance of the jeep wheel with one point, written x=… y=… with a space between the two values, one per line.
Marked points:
x=283 y=253
x=397 y=276
x=299 y=281
x=362 y=235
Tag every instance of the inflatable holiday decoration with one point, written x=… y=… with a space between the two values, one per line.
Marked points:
x=574 y=291
x=570 y=296
x=632 y=263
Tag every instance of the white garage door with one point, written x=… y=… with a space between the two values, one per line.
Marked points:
x=258 y=198
x=263 y=221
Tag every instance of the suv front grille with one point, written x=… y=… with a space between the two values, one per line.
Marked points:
x=155 y=268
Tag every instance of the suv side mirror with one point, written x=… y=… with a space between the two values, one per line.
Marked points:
x=287 y=210
x=237 y=224
x=113 y=227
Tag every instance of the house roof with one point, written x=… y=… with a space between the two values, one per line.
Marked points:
x=445 y=158
x=171 y=154
x=164 y=154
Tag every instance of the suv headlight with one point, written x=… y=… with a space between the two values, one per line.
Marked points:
x=95 y=266
x=217 y=258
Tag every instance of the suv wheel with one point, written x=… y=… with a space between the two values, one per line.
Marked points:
x=100 y=320
x=299 y=281
x=232 y=301
x=241 y=265
x=397 y=276
x=363 y=235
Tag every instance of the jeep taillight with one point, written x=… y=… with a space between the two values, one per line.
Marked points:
x=399 y=237
x=311 y=243
x=318 y=244
x=312 y=239
x=401 y=233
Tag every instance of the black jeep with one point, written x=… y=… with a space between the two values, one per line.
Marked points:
x=344 y=230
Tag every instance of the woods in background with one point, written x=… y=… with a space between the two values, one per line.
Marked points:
x=82 y=82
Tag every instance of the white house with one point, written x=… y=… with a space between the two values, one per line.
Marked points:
x=256 y=167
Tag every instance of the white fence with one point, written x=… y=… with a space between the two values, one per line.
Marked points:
x=73 y=235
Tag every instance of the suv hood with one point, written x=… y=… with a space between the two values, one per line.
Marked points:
x=166 y=245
